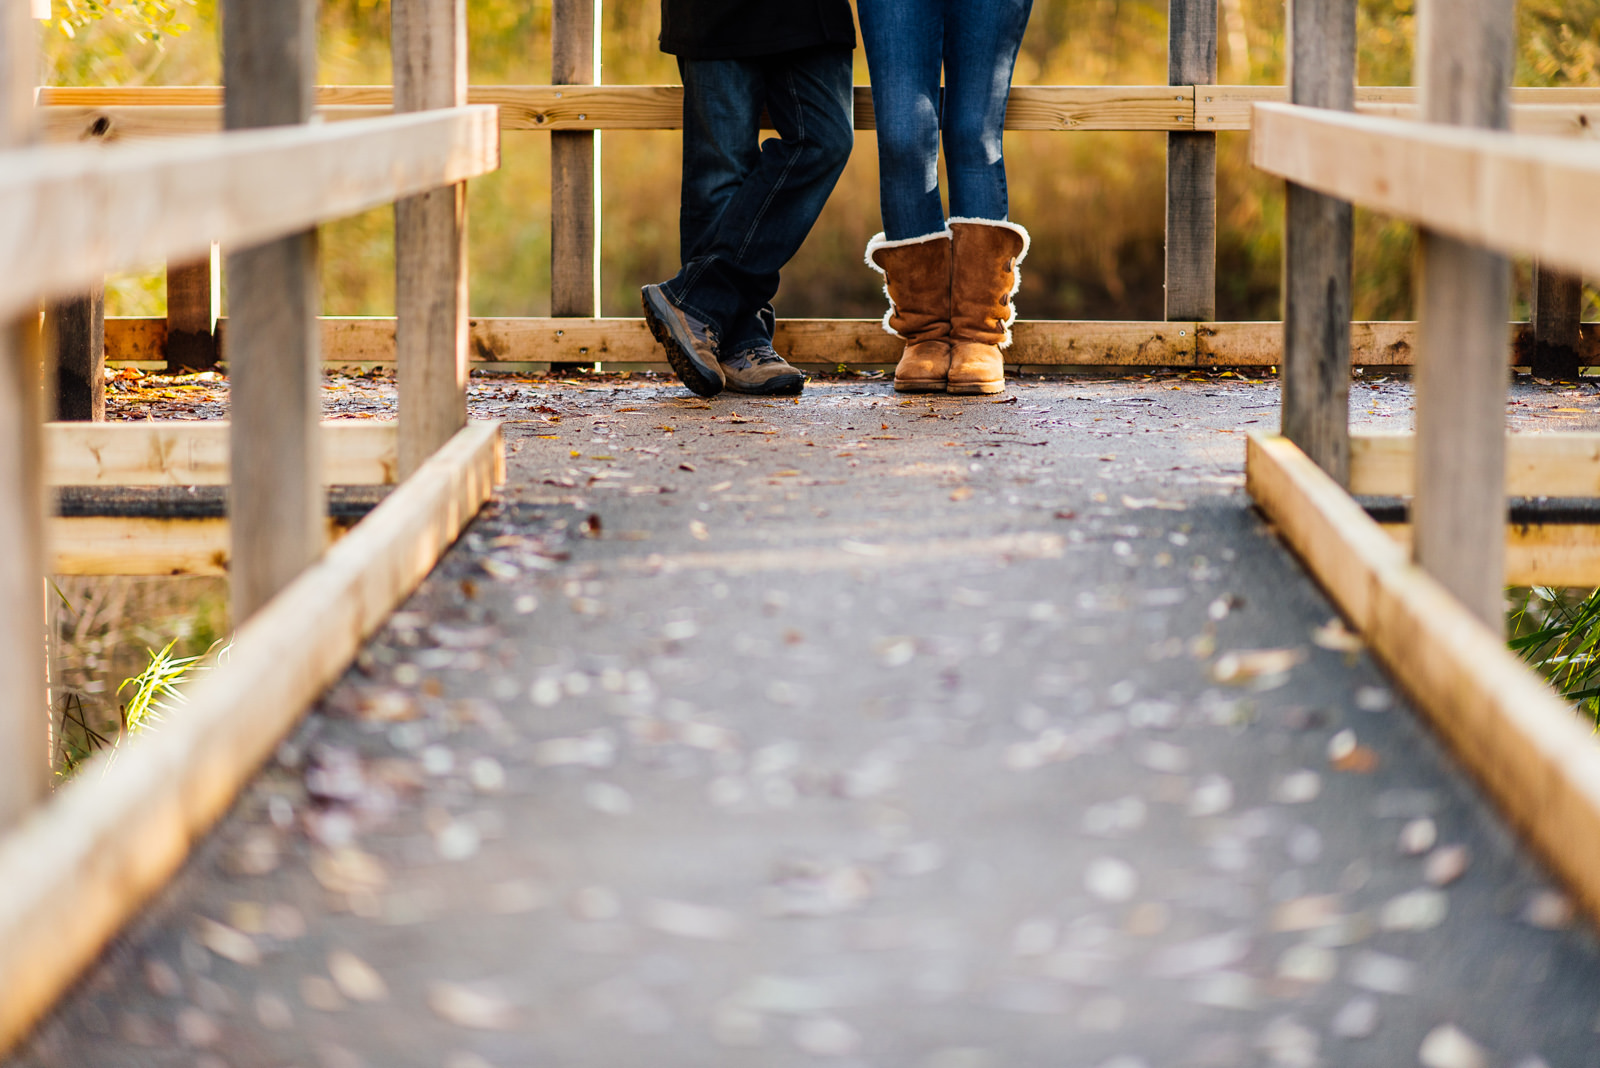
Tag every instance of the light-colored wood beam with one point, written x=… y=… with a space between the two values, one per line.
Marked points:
x=1531 y=196
x=1535 y=757
x=195 y=453
x=71 y=214
x=1537 y=465
x=123 y=545
x=86 y=863
x=1539 y=554
x=1562 y=112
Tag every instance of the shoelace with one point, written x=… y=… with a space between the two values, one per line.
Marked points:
x=760 y=354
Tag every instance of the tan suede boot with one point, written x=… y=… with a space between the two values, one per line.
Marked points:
x=983 y=279
x=916 y=274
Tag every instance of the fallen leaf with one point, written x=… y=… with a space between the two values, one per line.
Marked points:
x=227 y=942
x=961 y=493
x=698 y=529
x=1245 y=665
x=1138 y=503
x=1336 y=637
x=355 y=978
x=465 y=1006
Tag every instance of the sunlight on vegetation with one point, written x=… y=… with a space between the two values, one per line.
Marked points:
x=1557 y=631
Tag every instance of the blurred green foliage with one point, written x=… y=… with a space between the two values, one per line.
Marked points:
x=1093 y=201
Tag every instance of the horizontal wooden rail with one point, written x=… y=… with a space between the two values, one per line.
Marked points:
x=132 y=545
x=1535 y=757
x=194 y=453
x=1537 y=465
x=73 y=114
x=70 y=215
x=1538 y=554
x=1520 y=195
x=76 y=869
x=826 y=343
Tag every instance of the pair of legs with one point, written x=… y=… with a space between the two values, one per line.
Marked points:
x=909 y=43
x=950 y=282
x=748 y=205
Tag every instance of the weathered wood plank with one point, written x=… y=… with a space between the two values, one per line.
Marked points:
x=1557 y=323
x=1539 y=554
x=575 y=166
x=73 y=114
x=191 y=320
x=429 y=41
x=70 y=215
x=195 y=453
x=1568 y=112
x=1518 y=195
x=1535 y=758
x=79 y=328
x=1537 y=465
x=275 y=400
x=1191 y=227
x=111 y=838
x=1464 y=64
x=1318 y=242
x=24 y=737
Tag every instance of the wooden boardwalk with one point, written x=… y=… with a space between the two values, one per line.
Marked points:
x=868 y=731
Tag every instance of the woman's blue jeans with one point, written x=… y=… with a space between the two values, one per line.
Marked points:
x=909 y=42
x=748 y=205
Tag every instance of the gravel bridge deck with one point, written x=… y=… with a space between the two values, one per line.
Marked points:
x=864 y=730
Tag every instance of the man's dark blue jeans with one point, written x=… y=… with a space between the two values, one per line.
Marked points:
x=747 y=205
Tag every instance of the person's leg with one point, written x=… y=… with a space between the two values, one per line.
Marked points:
x=722 y=102
x=904 y=44
x=980 y=51
x=734 y=274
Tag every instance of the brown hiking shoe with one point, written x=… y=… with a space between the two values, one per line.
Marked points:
x=691 y=344
x=760 y=370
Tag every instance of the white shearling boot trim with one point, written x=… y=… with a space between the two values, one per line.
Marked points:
x=879 y=241
x=1016 y=268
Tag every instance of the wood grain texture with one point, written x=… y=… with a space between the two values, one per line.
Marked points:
x=191 y=335
x=72 y=875
x=1317 y=250
x=1513 y=733
x=1557 y=323
x=275 y=504
x=575 y=167
x=71 y=214
x=25 y=759
x=1539 y=554
x=1552 y=111
x=195 y=453
x=1463 y=74
x=78 y=326
x=1537 y=465
x=1191 y=226
x=430 y=62
x=1517 y=195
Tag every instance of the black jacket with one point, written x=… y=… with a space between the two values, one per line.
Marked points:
x=740 y=29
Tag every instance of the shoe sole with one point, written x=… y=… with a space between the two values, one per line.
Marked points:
x=912 y=385
x=788 y=385
x=976 y=388
x=664 y=325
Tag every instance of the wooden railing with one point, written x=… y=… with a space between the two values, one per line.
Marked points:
x=72 y=869
x=1428 y=596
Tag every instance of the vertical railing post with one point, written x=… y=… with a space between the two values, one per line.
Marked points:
x=575 y=167
x=24 y=718
x=1317 y=243
x=1464 y=60
x=277 y=503
x=78 y=325
x=1557 y=315
x=191 y=322
x=429 y=42
x=1191 y=271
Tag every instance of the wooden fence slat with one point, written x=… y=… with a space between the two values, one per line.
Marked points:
x=574 y=167
x=24 y=718
x=1318 y=240
x=70 y=215
x=191 y=325
x=1191 y=229
x=193 y=452
x=429 y=41
x=1464 y=64
x=79 y=328
x=276 y=504
x=1557 y=322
